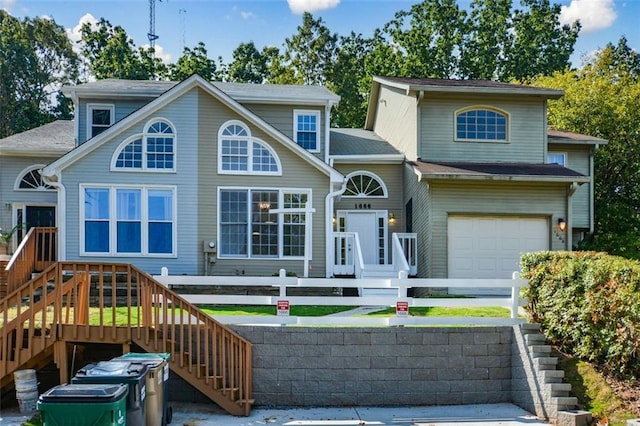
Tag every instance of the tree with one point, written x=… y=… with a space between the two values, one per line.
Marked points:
x=191 y=62
x=111 y=53
x=36 y=59
x=540 y=45
x=311 y=51
x=249 y=65
x=602 y=99
x=428 y=36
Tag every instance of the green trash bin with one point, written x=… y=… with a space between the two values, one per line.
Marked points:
x=84 y=405
x=133 y=374
x=157 y=409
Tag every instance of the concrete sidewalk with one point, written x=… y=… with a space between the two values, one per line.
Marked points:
x=465 y=415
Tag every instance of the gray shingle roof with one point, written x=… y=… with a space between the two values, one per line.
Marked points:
x=55 y=138
x=467 y=86
x=241 y=92
x=520 y=171
x=359 y=142
x=560 y=136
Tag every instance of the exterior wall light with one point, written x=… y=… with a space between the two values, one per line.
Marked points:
x=392 y=219
x=562 y=225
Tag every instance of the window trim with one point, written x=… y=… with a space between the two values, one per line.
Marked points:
x=385 y=193
x=250 y=141
x=23 y=173
x=281 y=192
x=113 y=220
x=563 y=153
x=144 y=135
x=459 y=111
x=317 y=114
x=95 y=106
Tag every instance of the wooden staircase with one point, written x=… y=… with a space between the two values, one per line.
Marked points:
x=120 y=304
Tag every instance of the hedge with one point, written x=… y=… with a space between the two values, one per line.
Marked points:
x=588 y=304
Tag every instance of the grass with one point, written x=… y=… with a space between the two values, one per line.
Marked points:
x=593 y=392
x=299 y=311
x=490 y=312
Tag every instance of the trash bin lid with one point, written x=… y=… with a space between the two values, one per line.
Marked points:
x=144 y=355
x=152 y=360
x=84 y=392
x=113 y=369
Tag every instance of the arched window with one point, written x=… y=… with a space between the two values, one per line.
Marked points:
x=154 y=150
x=362 y=184
x=240 y=153
x=482 y=123
x=30 y=179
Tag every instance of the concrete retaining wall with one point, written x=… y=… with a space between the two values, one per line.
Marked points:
x=295 y=366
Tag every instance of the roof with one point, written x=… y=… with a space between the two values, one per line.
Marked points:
x=497 y=171
x=52 y=139
x=54 y=169
x=241 y=92
x=560 y=136
x=465 y=86
x=358 y=145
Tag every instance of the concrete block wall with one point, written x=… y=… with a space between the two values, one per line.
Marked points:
x=296 y=366
x=537 y=385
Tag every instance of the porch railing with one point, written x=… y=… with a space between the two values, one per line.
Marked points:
x=37 y=251
x=348 y=258
x=398 y=258
x=408 y=246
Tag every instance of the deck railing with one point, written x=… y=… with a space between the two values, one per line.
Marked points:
x=37 y=250
x=112 y=303
x=409 y=248
x=348 y=258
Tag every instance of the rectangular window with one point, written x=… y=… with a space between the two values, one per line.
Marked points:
x=249 y=228
x=306 y=129
x=100 y=118
x=129 y=220
x=556 y=158
x=96 y=220
x=159 y=152
x=235 y=155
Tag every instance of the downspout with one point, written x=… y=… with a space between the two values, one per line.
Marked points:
x=61 y=218
x=592 y=199
x=572 y=189
x=327 y=130
x=328 y=214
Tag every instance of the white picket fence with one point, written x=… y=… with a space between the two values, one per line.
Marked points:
x=395 y=296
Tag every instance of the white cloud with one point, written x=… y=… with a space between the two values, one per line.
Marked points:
x=160 y=53
x=594 y=15
x=7 y=5
x=247 y=15
x=300 y=6
x=74 y=33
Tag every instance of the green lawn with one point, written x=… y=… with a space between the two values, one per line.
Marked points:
x=488 y=312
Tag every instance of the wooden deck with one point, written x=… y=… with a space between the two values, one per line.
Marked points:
x=120 y=304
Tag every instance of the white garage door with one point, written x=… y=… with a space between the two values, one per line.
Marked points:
x=490 y=247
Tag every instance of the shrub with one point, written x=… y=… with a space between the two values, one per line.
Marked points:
x=588 y=304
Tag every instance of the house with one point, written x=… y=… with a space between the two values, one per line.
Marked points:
x=240 y=179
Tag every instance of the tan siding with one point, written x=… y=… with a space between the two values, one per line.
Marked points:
x=577 y=158
x=510 y=199
x=391 y=175
x=396 y=120
x=420 y=195
x=437 y=131
x=281 y=117
x=297 y=173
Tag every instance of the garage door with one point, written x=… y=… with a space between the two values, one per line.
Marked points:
x=490 y=247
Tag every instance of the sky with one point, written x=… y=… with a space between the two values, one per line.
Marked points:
x=223 y=24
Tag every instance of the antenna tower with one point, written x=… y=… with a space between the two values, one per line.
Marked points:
x=151 y=35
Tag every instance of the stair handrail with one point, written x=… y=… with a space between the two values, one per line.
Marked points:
x=400 y=263
x=358 y=258
x=159 y=320
x=409 y=249
x=36 y=251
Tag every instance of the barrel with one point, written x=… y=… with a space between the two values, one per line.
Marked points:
x=26 y=390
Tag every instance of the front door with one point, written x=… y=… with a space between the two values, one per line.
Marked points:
x=33 y=216
x=371 y=227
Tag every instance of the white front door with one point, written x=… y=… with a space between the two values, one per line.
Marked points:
x=371 y=227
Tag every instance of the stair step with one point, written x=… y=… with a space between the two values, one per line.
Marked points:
x=552 y=376
x=566 y=402
x=560 y=389
x=217 y=381
x=234 y=393
x=539 y=350
x=534 y=339
x=546 y=363
x=530 y=328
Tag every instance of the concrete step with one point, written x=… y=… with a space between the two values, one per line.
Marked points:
x=565 y=402
x=560 y=389
x=552 y=376
x=534 y=339
x=545 y=363
x=538 y=351
x=530 y=328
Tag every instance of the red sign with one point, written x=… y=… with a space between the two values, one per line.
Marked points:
x=283 y=308
x=402 y=309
